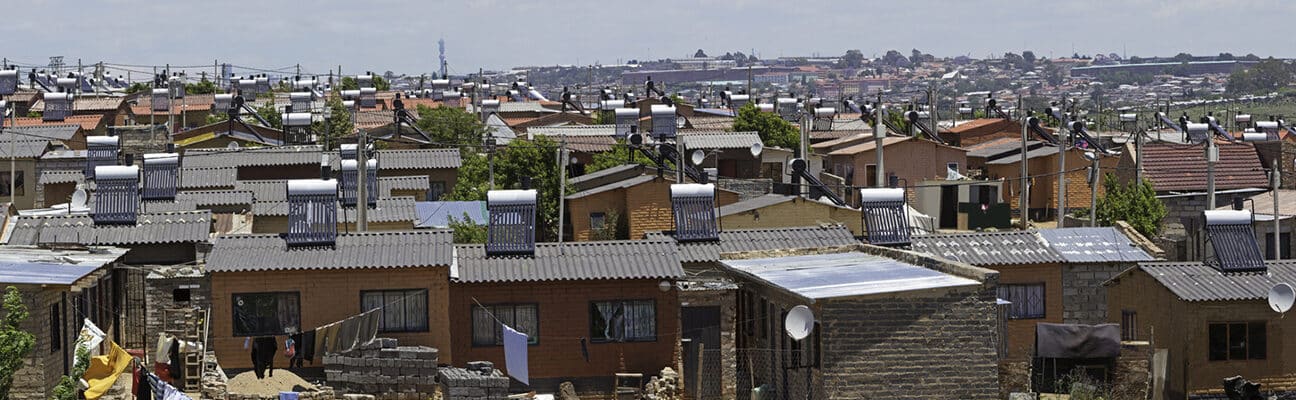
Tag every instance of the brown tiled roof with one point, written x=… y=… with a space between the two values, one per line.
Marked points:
x=83 y=104
x=87 y=122
x=976 y=124
x=1182 y=167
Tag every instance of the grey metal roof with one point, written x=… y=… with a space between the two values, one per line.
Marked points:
x=23 y=148
x=1093 y=245
x=613 y=186
x=150 y=228
x=628 y=169
x=988 y=248
x=573 y=130
x=61 y=176
x=741 y=240
x=755 y=203
x=1043 y=151
x=28 y=265
x=392 y=209
x=44 y=132
x=405 y=249
x=252 y=156
x=215 y=197
x=387 y=184
x=500 y=130
x=418 y=159
x=1002 y=146
x=201 y=178
x=524 y=106
x=1195 y=281
x=718 y=139
x=264 y=189
x=626 y=259
x=437 y=214
x=64 y=154
x=826 y=276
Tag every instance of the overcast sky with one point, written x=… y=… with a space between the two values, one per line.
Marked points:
x=401 y=36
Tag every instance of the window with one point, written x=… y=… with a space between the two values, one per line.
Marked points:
x=436 y=190
x=623 y=321
x=597 y=220
x=1129 y=325
x=266 y=314
x=1284 y=243
x=1027 y=300
x=523 y=318
x=870 y=175
x=55 y=328
x=19 y=186
x=1237 y=341
x=180 y=295
x=403 y=310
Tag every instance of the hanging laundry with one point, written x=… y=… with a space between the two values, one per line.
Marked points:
x=306 y=348
x=90 y=337
x=331 y=337
x=143 y=388
x=321 y=338
x=176 y=367
x=585 y=350
x=373 y=324
x=163 y=353
x=515 y=354
x=290 y=348
x=263 y=352
x=164 y=391
x=347 y=334
x=104 y=370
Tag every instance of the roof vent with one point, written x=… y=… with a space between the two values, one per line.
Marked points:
x=57 y=106
x=8 y=82
x=161 y=172
x=885 y=215
x=512 y=222
x=100 y=151
x=116 y=195
x=312 y=212
x=1233 y=240
x=694 y=210
x=626 y=120
x=350 y=182
x=368 y=97
x=663 y=121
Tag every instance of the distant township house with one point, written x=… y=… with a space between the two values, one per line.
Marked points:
x=623 y=202
x=1178 y=175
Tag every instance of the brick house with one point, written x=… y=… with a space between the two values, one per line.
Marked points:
x=933 y=336
x=1178 y=174
x=640 y=203
x=440 y=167
x=559 y=295
x=156 y=238
x=1210 y=324
x=977 y=131
x=1042 y=167
x=319 y=285
x=780 y=211
x=220 y=135
x=910 y=159
x=61 y=289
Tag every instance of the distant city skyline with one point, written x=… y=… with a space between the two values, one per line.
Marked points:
x=401 y=36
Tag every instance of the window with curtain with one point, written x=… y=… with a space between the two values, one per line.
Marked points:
x=403 y=310
x=623 y=321
x=266 y=314
x=1027 y=300
x=523 y=318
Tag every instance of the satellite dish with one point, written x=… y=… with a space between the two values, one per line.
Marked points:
x=756 y=149
x=636 y=140
x=698 y=156
x=232 y=145
x=79 y=198
x=1281 y=297
x=799 y=322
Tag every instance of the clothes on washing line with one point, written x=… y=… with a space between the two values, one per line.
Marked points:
x=304 y=349
x=176 y=366
x=163 y=353
x=164 y=391
x=263 y=352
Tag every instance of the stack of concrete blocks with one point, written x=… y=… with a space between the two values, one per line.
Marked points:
x=383 y=369
x=480 y=381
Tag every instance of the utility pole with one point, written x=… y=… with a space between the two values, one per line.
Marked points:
x=879 y=133
x=1138 y=155
x=803 y=147
x=1024 y=192
x=1062 y=150
x=1274 y=179
x=932 y=113
x=362 y=194
x=1093 y=192
x=562 y=192
x=679 y=159
x=1212 y=156
x=13 y=163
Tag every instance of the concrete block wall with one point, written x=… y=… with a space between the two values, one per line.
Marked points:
x=159 y=295
x=384 y=369
x=43 y=367
x=1084 y=298
x=481 y=381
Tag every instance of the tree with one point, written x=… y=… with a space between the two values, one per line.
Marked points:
x=136 y=88
x=1135 y=60
x=894 y=59
x=536 y=159
x=68 y=387
x=1028 y=57
x=349 y=83
x=773 y=130
x=451 y=127
x=271 y=114
x=853 y=59
x=1224 y=57
x=1134 y=203
x=1014 y=60
x=1182 y=57
x=1267 y=76
x=337 y=124
x=741 y=59
x=15 y=343
x=699 y=54
x=382 y=84
x=466 y=231
x=1053 y=74
x=203 y=86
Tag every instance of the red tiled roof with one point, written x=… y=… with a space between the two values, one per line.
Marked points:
x=87 y=122
x=1182 y=167
x=975 y=124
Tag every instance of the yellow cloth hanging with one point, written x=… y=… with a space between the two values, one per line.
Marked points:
x=104 y=370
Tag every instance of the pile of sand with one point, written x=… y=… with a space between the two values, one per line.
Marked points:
x=283 y=381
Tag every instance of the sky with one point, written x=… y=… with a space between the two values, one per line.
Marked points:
x=401 y=36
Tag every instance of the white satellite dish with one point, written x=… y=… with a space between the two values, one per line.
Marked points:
x=698 y=157
x=799 y=322
x=232 y=145
x=1281 y=297
x=756 y=149
x=79 y=199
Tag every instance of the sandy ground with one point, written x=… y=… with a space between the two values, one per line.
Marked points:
x=282 y=381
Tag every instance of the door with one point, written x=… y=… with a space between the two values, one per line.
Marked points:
x=949 y=207
x=701 y=331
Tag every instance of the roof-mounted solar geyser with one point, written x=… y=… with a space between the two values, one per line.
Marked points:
x=368 y=97
x=490 y=106
x=365 y=81
x=67 y=84
x=626 y=119
x=663 y=121
x=885 y=214
x=693 y=206
x=823 y=118
x=312 y=212
x=1233 y=241
x=8 y=82
x=116 y=195
x=100 y=151
x=511 y=228
x=296 y=119
x=736 y=101
x=58 y=106
x=786 y=107
x=301 y=100
x=350 y=180
x=439 y=88
x=611 y=104
x=263 y=84
x=177 y=87
x=765 y=107
x=222 y=101
x=161 y=100
x=161 y=173
x=1198 y=133
x=1269 y=128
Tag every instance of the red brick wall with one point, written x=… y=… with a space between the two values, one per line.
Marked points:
x=564 y=309
x=326 y=297
x=1021 y=332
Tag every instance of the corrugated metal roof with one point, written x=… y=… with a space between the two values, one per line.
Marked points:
x=410 y=159
x=150 y=228
x=988 y=248
x=1195 y=281
x=524 y=106
x=392 y=209
x=1043 y=151
x=437 y=214
x=264 y=190
x=718 y=139
x=641 y=179
x=23 y=148
x=826 y=276
x=573 y=130
x=27 y=265
x=755 y=203
x=387 y=184
x=406 y=249
x=215 y=197
x=61 y=176
x=622 y=171
x=627 y=259
x=741 y=240
x=252 y=156
x=1093 y=245
x=59 y=132
x=201 y=178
